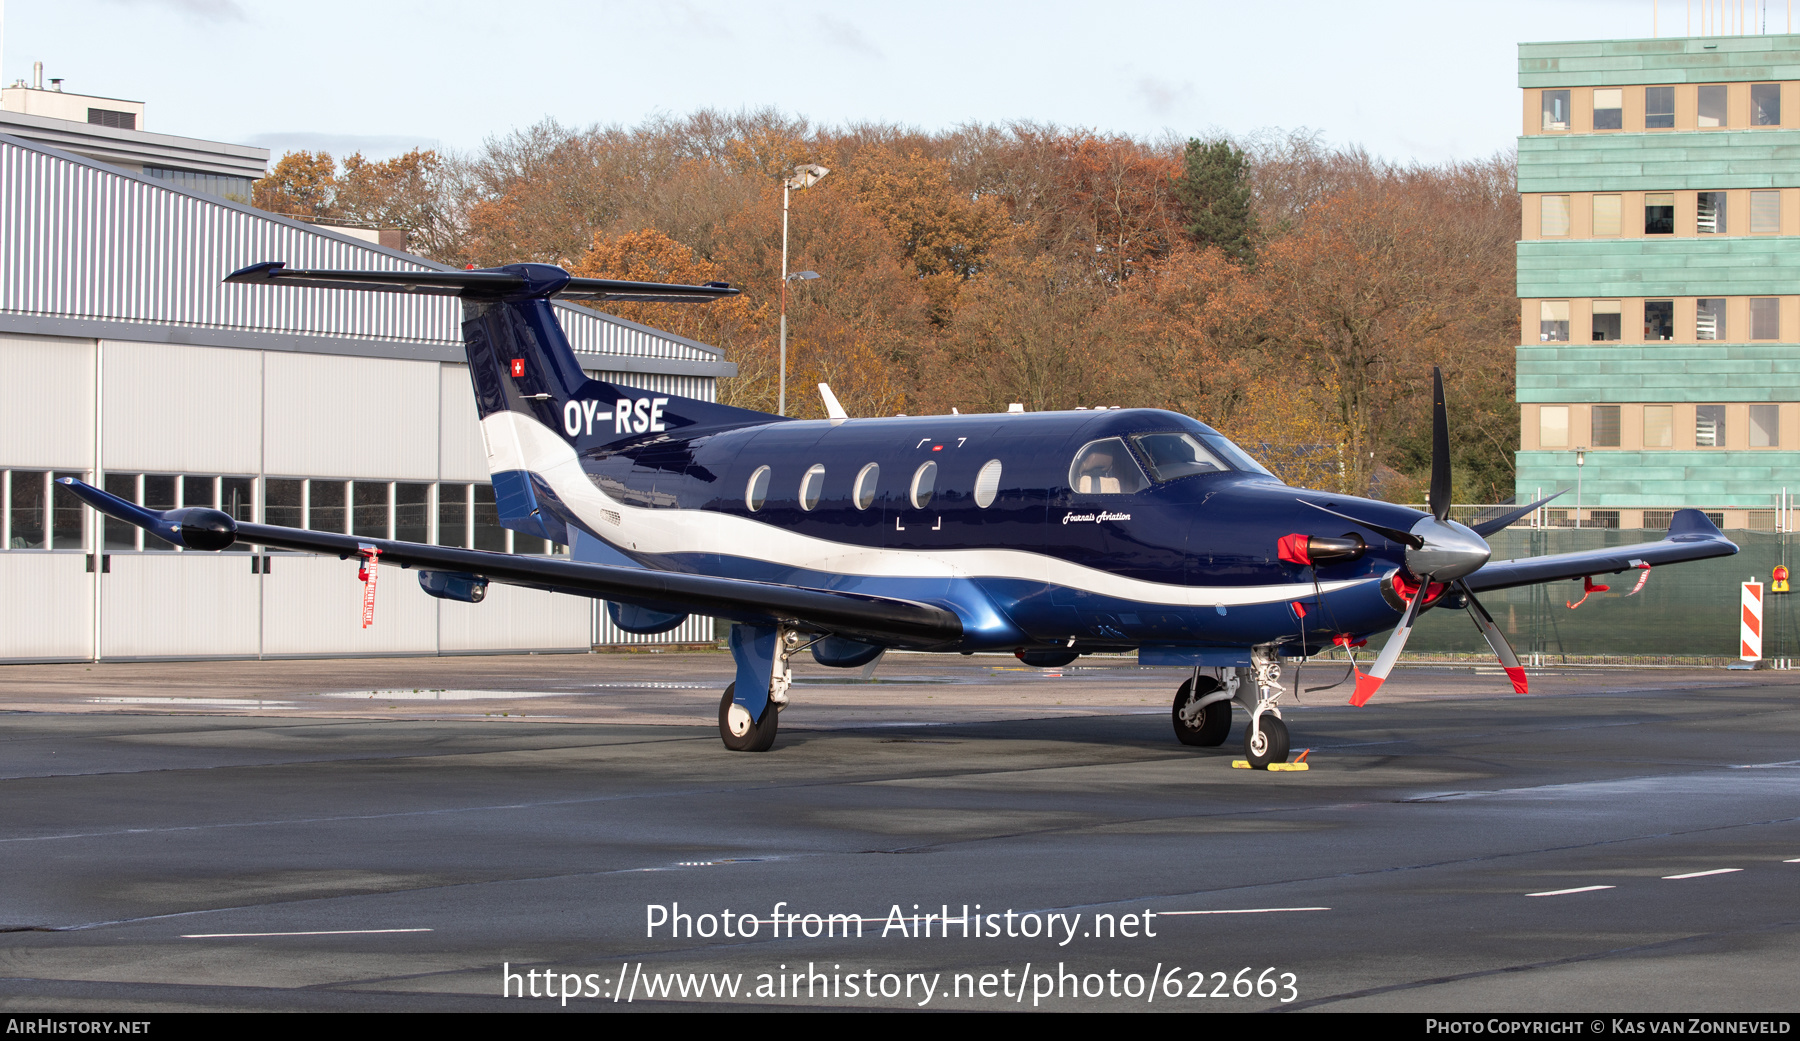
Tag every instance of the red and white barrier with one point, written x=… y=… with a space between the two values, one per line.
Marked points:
x=1750 y=628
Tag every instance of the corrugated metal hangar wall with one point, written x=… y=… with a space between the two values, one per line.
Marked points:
x=131 y=364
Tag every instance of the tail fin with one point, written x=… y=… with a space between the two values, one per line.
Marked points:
x=524 y=370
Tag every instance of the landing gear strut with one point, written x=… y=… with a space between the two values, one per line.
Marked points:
x=1266 y=738
x=1202 y=712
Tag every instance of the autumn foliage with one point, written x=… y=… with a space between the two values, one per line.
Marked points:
x=1057 y=268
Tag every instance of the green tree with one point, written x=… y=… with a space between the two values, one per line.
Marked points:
x=1214 y=191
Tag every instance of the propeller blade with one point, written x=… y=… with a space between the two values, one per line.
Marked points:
x=1440 y=448
x=1493 y=524
x=1495 y=638
x=1368 y=683
x=1404 y=538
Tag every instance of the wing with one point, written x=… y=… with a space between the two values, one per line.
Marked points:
x=514 y=280
x=1691 y=537
x=881 y=619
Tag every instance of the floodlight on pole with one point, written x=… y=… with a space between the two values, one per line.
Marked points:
x=804 y=176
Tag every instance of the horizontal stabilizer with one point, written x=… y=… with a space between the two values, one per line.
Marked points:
x=512 y=282
x=1691 y=537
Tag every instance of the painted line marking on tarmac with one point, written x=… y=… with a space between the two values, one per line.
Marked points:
x=1249 y=910
x=1566 y=892
x=1796 y=860
x=1703 y=874
x=318 y=932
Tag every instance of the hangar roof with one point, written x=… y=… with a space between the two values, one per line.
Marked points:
x=87 y=250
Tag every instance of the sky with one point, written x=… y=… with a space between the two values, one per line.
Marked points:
x=1409 y=81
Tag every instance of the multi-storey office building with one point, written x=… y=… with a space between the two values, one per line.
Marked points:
x=1659 y=276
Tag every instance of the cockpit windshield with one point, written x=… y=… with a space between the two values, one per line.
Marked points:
x=1235 y=456
x=1175 y=455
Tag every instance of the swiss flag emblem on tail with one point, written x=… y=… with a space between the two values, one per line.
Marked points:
x=518 y=367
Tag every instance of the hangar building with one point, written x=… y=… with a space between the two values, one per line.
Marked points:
x=130 y=364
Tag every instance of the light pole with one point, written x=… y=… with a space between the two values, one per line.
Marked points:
x=804 y=176
x=1580 y=461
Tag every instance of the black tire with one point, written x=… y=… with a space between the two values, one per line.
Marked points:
x=1211 y=727
x=758 y=737
x=1271 y=738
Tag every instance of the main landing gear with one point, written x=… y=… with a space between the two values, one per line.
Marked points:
x=1202 y=711
x=741 y=733
x=749 y=713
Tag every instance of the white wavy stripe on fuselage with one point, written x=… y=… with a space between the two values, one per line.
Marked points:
x=519 y=442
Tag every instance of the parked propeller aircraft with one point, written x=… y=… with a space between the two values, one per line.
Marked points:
x=1050 y=534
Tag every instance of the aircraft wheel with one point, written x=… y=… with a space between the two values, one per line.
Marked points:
x=739 y=732
x=1209 y=728
x=1268 y=745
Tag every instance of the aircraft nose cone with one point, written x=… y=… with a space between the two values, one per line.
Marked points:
x=1451 y=550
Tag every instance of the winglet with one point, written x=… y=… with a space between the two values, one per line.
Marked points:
x=832 y=408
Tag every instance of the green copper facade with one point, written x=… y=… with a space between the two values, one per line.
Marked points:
x=1583 y=159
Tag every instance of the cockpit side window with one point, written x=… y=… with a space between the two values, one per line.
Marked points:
x=1106 y=468
x=1177 y=454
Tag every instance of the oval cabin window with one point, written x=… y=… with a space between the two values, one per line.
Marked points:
x=756 y=492
x=812 y=486
x=923 y=482
x=987 y=484
x=865 y=485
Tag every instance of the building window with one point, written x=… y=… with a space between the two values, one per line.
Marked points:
x=1553 y=321
x=1765 y=318
x=159 y=494
x=453 y=515
x=106 y=117
x=489 y=534
x=369 y=513
x=1659 y=108
x=1659 y=320
x=1659 y=213
x=1661 y=519
x=1609 y=108
x=1659 y=427
x=1765 y=426
x=1606 y=215
x=325 y=506
x=1712 y=106
x=1709 y=426
x=1555 y=217
x=283 y=503
x=1709 y=215
x=1765 y=213
x=1604 y=426
x=1606 y=321
x=1765 y=104
x=1556 y=110
x=1709 y=318
x=1601 y=519
x=1553 y=426
x=121 y=535
x=412 y=512
x=27 y=509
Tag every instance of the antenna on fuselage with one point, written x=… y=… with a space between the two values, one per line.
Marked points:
x=832 y=408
